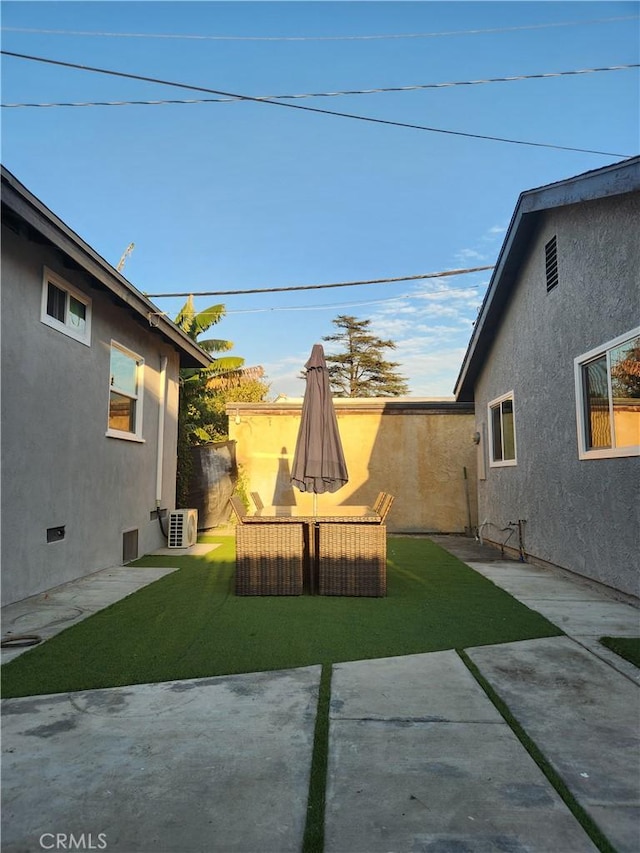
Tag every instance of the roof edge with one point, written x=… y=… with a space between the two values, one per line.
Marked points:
x=615 y=179
x=32 y=210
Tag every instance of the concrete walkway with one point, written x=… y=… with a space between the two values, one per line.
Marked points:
x=420 y=759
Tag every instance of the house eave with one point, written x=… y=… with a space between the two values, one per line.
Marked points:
x=617 y=179
x=25 y=206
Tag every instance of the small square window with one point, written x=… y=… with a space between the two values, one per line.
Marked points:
x=608 y=399
x=125 y=393
x=65 y=308
x=502 y=431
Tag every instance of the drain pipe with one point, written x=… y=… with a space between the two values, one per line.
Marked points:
x=160 y=452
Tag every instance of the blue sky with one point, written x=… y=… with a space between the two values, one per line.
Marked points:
x=241 y=195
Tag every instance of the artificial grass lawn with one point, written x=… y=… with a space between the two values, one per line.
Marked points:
x=190 y=624
x=627 y=647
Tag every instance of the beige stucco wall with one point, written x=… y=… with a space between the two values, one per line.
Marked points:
x=415 y=449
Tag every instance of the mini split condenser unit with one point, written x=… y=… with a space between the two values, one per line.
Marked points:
x=183 y=528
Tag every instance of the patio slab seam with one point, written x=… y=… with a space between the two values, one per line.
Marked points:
x=567 y=760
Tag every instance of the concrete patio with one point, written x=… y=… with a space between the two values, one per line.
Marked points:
x=420 y=759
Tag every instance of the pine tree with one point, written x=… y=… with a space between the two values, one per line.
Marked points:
x=361 y=370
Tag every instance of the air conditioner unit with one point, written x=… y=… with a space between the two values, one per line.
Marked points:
x=183 y=528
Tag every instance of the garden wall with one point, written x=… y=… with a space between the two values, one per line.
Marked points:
x=416 y=449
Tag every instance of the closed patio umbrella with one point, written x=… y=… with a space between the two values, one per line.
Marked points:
x=318 y=461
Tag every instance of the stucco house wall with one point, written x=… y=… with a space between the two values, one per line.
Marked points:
x=415 y=449
x=580 y=514
x=59 y=468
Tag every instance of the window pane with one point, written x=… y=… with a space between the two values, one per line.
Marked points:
x=122 y=413
x=508 y=434
x=123 y=372
x=56 y=299
x=625 y=386
x=597 y=404
x=77 y=314
x=496 y=430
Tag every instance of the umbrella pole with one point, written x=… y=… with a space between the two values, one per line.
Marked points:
x=315 y=503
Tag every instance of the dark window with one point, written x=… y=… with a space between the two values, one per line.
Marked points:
x=65 y=309
x=551 y=263
x=56 y=303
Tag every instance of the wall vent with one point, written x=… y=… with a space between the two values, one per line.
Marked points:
x=129 y=546
x=551 y=263
x=55 y=534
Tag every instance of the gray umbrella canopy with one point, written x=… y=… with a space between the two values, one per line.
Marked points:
x=318 y=461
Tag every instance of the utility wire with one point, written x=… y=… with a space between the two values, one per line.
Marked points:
x=327 y=306
x=334 y=305
x=304 y=108
x=442 y=274
x=320 y=38
x=412 y=88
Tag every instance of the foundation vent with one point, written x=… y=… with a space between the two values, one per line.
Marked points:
x=129 y=546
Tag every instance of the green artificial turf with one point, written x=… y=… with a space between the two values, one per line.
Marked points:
x=189 y=624
x=627 y=647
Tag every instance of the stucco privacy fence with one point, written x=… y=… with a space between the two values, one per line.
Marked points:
x=417 y=449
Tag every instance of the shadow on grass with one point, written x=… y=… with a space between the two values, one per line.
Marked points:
x=189 y=624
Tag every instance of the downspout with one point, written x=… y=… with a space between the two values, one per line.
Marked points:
x=160 y=451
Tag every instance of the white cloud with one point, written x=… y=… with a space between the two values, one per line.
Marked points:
x=468 y=255
x=430 y=374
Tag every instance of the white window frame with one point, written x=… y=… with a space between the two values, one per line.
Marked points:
x=501 y=463
x=138 y=397
x=66 y=327
x=584 y=452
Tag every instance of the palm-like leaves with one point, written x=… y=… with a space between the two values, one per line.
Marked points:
x=195 y=323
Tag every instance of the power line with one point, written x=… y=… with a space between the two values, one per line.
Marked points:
x=178 y=36
x=412 y=88
x=333 y=305
x=307 y=109
x=442 y=274
x=329 y=306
